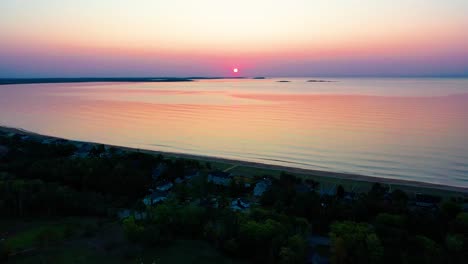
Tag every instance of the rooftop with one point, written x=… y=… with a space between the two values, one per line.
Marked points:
x=220 y=174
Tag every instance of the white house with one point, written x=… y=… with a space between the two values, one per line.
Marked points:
x=220 y=178
x=261 y=187
x=165 y=187
x=239 y=204
x=154 y=198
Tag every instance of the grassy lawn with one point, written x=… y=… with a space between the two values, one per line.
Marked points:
x=30 y=237
x=25 y=234
x=252 y=171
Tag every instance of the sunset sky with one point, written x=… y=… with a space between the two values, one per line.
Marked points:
x=57 y=38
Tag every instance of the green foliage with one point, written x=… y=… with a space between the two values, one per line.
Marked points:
x=340 y=192
x=355 y=243
x=391 y=220
x=187 y=220
x=43 y=236
x=295 y=251
x=375 y=249
x=133 y=231
x=259 y=235
x=35 y=197
x=392 y=231
x=460 y=224
x=424 y=250
x=48 y=236
x=45 y=180
x=449 y=210
x=399 y=201
x=454 y=243
x=5 y=251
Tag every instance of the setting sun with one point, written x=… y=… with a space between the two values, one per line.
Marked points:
x=235 y=70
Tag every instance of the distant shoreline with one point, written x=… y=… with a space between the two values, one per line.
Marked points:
x=11 y=81
x=304 y=172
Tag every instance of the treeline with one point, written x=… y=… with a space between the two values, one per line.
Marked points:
x=44 y=179
x=374 y=227
x=378 y=226
x=120 y=175
x=23 y=198
x=47 y=179
x=260 y=236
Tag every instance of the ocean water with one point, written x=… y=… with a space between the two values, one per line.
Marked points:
x=402 y=128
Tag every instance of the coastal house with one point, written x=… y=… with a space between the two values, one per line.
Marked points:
x=136 y=214
x=220 y=178
x=48 y=140
x=188 y=175
x=350 y=196
x=83 y=150
x=261 y=187
x=239 y=204
x=178 y=180
x=165 y=187
x=122 y=214
x=244 y=181
x=303 y=188
x=426 y=200
x=60 y=141
x=330 y=191
x=155 y=198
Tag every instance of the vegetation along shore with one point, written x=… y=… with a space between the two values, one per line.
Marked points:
x=63 y=201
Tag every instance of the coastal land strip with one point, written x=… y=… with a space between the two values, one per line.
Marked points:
x=356 y=182
x=10 y=81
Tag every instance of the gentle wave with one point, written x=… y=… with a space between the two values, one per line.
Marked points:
x=403 y=129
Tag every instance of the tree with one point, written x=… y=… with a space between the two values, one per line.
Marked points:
x=48 y=236
x=356 y=241
x=338 y=250
x=399 y=199
x=454 y=243
x=424 y=250
x=460 y=224
x=262 y=239
x=393 y=232
x=5 y=251
x=287 y=256
x=294 y=251
x=340 y=192
x=374 y=248
x=449 y=210
x=132 y=230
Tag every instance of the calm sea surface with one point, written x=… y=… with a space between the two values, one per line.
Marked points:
x=414 y=129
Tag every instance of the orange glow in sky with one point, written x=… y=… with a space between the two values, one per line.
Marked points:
x=266 y=37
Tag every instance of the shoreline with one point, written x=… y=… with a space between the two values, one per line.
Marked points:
x=279 y=168
x=13 y=81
